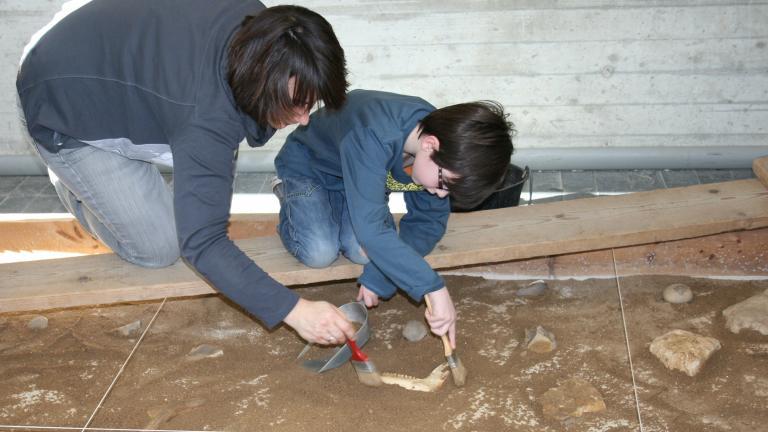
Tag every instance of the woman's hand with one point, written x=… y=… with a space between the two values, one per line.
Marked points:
x=320 y=322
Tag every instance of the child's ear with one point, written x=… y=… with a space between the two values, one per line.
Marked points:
x=430 y=143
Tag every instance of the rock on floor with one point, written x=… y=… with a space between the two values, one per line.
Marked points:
x=540 y=340
x=129 y=330
x=573 y=398
x=535 y=288
x=677 y=293
x=751 y=314
x=414 y=330
x=38 y=323
x=204 y=351
x=684 y=351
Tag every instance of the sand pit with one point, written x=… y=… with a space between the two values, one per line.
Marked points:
x=249 y=381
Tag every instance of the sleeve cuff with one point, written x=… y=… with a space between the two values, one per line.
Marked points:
x=281 y=310
x=419 y=296
x=384 y=292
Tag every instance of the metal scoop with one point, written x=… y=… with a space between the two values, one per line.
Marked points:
x=355 y=312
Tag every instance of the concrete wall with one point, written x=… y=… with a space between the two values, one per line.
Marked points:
x=654 y=78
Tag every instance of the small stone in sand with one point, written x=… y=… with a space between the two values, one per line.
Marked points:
x=684 y=351
x=751 y=314
x=565 y=291
x=129 y=330
x=204 y=351
x=38 y=323
x=572 y=398
x=677 y=293
x=535 y=288
x=414 y=330
x=540 y=340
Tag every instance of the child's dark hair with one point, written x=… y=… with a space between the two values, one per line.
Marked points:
x=475 y=145
x=278 y=43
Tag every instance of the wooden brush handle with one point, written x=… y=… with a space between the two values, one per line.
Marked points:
x=446 y=342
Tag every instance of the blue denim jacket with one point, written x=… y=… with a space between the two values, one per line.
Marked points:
x=352 y=150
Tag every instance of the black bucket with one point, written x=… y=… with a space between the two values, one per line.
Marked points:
x=509 y=193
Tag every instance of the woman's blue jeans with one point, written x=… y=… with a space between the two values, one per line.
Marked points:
x=314 y=223
x=125 y=203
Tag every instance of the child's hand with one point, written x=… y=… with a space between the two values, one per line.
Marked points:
x=370 y=298
x=320 y=322
x=442 y=319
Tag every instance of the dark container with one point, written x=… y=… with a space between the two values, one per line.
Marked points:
x=509 y=193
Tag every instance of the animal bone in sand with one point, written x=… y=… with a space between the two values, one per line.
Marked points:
x=431 y=383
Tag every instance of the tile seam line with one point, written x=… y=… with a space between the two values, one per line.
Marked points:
x=626 y=339
x=122 y=368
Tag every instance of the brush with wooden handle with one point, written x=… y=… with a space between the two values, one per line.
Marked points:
x=458 y=371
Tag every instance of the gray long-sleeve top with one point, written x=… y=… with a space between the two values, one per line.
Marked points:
x=148 y=74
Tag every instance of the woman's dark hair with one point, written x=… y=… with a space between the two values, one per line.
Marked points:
x=475 y=145
x=278 y=43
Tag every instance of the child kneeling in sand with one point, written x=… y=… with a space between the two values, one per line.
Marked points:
x=336 y=173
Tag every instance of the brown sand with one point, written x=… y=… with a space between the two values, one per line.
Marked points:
x=56 y=376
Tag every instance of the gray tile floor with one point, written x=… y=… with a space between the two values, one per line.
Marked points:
x=35 y=194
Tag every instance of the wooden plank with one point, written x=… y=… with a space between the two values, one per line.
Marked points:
x=66 y=235
x=60 y=235
x=737 y=255
x=472 y=238
x=760 y=168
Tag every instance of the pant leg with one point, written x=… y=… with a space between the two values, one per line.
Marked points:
x=349 y=245
x=307 y=228
x=123 y=202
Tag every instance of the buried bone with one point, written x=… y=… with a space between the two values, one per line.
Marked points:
x=431 y=383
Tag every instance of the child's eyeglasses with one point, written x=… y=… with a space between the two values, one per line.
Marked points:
x=440 y=184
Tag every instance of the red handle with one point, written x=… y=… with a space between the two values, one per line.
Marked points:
x=357 y=355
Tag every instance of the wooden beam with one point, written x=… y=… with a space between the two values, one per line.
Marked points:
x=66 y=235
x=739 y=254
x=760 y=168
x=45 y=235
x=472 y=238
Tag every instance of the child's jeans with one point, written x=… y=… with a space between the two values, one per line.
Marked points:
x=125 y=203
x=314 y=223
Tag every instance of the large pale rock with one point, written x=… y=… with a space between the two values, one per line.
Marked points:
x=751 y=314
x=572 y=398
x=684 y=351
